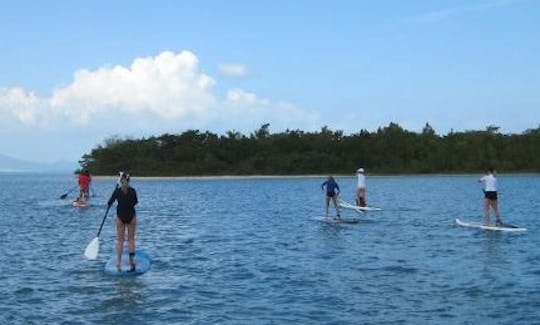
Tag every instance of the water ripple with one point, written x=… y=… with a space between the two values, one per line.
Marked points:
x=248 y=251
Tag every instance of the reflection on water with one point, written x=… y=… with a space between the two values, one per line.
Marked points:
x=493 y=247
x=129 y=292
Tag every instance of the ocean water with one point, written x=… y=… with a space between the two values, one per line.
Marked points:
x=248 y=251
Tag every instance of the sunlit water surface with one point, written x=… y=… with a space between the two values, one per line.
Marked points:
x=248 y=251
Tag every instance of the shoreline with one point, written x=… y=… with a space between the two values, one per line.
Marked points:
x=213 y=177
x=320 y=176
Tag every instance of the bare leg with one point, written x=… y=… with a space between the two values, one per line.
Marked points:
x=131 y=239
x=486 y=212
x=120 y=233
x=495 y=207
x=363 y=197
x=335 y=204
x=327 y=203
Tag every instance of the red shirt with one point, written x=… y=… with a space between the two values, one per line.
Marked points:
x=84 y=180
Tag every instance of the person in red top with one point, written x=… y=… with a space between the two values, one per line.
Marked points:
x=84 y=185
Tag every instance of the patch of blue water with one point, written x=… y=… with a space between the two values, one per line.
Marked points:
x=245 y=251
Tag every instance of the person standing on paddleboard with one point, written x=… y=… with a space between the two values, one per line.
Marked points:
x=332 y=191
x=361 y=188
x=126 y=218
x=84 y=180
x=490 y=196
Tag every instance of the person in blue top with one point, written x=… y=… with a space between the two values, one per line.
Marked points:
x=126 y=218
x=332 y=191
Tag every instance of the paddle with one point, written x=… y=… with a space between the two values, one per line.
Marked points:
x=92 y=250
x=63 y=196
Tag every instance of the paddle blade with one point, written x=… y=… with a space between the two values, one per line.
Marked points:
x=63 y=196
x=92 y=250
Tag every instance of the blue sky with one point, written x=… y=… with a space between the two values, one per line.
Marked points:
x=75 y=73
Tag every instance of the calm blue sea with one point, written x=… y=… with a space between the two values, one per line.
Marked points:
x=248 y=251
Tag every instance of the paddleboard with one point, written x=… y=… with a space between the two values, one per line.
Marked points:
x=142 y=264
x=346 y=205
x=480 y=225
x=80 y=204
x=334 y=220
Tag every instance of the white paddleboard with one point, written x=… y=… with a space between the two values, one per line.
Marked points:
x=336 y=220
x=346 y=205
x=480 y=225
x=80 y=204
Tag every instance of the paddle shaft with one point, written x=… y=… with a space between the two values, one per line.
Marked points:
x=106 y=212
x=63 y=196
x=103 y=221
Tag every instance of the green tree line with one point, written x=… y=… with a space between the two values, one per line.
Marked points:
x=390 y=150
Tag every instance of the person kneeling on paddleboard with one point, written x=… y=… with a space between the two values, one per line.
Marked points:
x=332 y=191
x=126 y=218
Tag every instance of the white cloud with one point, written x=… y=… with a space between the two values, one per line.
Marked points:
x=233 y=70
x=18 y=105
x=164 y=93
x=168 y=85
x=240 y=98
x=248 y=110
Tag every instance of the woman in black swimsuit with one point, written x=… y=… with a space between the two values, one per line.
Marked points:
x=126 y=218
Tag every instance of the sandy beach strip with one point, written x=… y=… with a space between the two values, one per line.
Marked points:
x=318 y=176
x=215 y=177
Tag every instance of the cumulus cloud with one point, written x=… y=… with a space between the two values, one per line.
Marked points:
x=18 y=105
x=233 y=70
x=168 y=85
x=154 y=94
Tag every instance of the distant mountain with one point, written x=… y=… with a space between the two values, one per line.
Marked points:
x=10 y=164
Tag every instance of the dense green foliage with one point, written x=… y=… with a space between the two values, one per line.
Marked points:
x=390 y=149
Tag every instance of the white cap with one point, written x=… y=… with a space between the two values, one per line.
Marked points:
x=360 y=170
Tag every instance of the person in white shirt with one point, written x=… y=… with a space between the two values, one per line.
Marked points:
x=361 y=188
x=490 y=196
